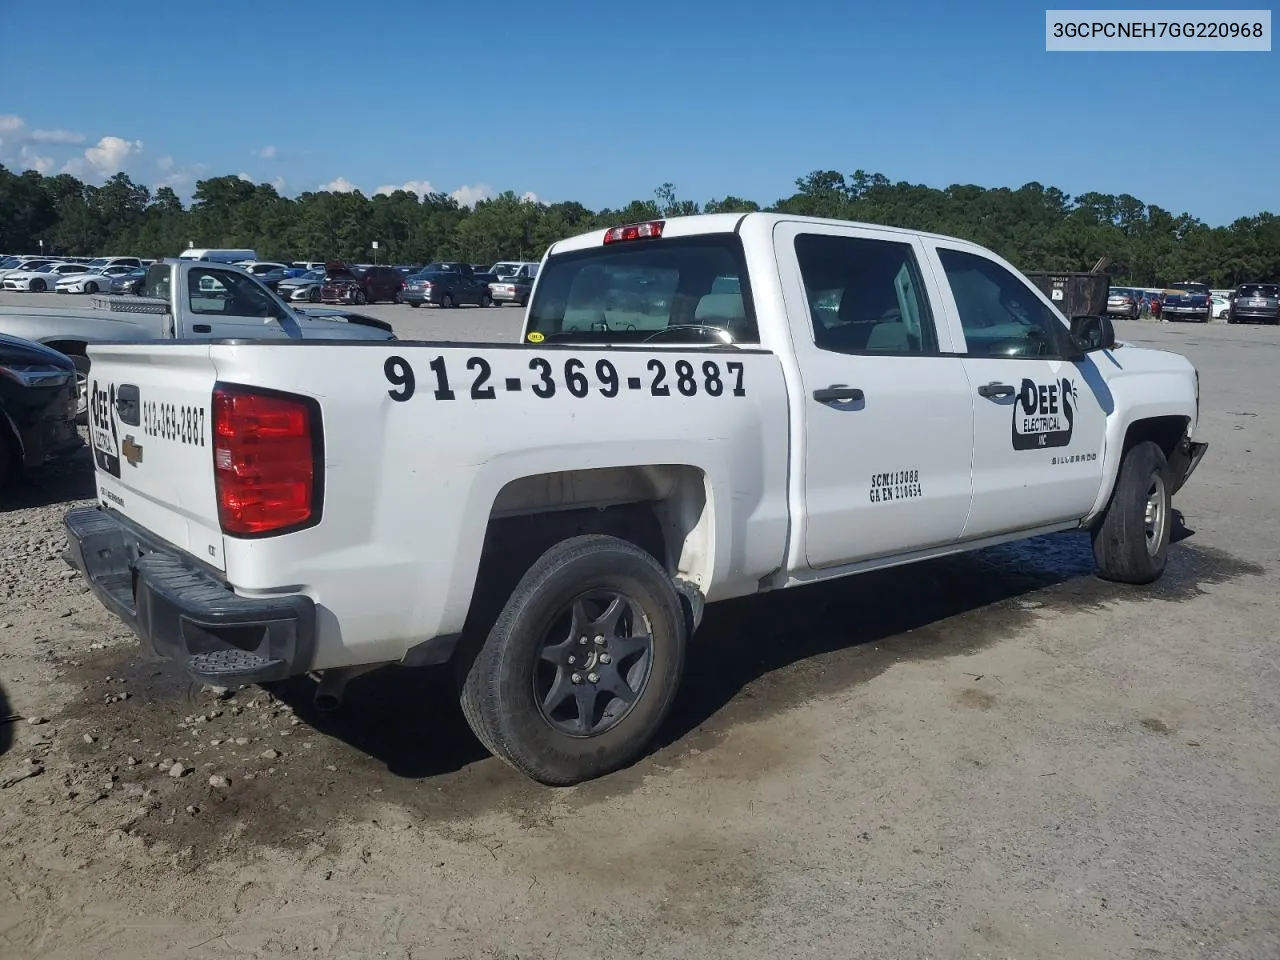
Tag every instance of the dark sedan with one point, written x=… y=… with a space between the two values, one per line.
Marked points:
x=1255 y=302
x=37 y=406
x=130 y=282
x=445 y=285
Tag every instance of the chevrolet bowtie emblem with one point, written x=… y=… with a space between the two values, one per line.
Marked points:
x=132 y=452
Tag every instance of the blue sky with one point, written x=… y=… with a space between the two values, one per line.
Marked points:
x=601 y=102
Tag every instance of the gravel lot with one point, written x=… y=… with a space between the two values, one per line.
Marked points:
x=992 y=756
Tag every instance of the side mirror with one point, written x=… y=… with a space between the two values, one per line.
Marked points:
x=1089 y=333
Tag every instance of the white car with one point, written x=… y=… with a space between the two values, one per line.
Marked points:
x=678 y=425
x=94 y=281
x=46 y=278
x=1220 y=308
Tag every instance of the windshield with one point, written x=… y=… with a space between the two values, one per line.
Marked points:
x=1258 y=290
x=99 y=262
x=686 y=289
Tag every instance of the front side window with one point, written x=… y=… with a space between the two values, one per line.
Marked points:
x=666 y=290
x=1001 y=315
x=865 y=295
x=228 y=294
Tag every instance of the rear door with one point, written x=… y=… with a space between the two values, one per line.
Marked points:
x=150 y=424
x=227 y=303
x=1039 y=419
x=888 y=424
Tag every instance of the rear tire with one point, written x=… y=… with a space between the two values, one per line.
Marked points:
x=446 y=302
x=517 y=692
x=1131 y=542
x=485 y=301
x=415 y=306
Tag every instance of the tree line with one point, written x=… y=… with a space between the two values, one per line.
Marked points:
x=1035 y=227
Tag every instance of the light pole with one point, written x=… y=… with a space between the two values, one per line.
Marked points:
x=375 y=253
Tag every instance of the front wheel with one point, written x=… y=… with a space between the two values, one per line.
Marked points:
x=1131 y=543
x=486 y=301
x=37 y=286
x=90 y=287
x=360 y=298
x=582 y=665
x=314 y=295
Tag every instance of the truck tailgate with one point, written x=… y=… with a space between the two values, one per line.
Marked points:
x=151 y=430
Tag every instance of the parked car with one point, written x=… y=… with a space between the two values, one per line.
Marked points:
x=130 y=282
x=94 y=282
x=1255 y=302
x=344 y=283
x=446 y=284
x=1124 y=302
x=1187 y=301
x=37 y=406
x=41 y=279
x=1221 y=306
x=514 y=287
x=304 y=287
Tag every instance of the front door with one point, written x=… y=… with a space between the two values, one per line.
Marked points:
x=225 y=303
x=887 y=419
x=1039 y=418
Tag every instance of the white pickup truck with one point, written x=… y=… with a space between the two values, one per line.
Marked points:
x=699 y=408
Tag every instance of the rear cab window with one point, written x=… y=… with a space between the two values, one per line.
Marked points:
x=691 y=290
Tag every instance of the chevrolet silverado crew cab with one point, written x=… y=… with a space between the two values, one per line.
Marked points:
x=698 y=409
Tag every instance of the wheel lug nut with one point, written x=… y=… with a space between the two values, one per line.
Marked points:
x=605 y=658
x=593 y=677
x=582 y=641
x=599 y=641
x=573 y=659
x=576 y=678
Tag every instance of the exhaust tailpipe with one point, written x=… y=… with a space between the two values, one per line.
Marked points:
x=332 y=684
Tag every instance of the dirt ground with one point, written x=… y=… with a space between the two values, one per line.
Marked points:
x=994 y=756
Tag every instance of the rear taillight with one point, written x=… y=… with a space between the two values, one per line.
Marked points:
x=265 y=461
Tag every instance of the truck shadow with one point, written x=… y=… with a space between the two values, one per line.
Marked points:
x=764 y=654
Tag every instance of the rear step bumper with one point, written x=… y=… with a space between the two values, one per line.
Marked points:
x=183 y=613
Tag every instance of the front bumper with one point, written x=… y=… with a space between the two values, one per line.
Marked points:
x=185 y=614
x=410 y=295
x=1186 y=457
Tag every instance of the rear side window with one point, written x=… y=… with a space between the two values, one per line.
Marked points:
x=668 y=290
x=865 y=295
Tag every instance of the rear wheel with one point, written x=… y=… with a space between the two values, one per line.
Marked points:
x=582 y=665
x=314 y=295
x=486 y=300
x=446 y=301
x=1131 y=543
x=413 y=304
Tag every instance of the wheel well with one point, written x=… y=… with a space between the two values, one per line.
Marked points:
x=1164 y=431
x=71 y=348
x=665 y=510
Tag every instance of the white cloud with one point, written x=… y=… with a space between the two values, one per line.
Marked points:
x=340 y=185
x=266 y=153
x=469 y=196
x=11 y=124
x=165 y=163
x=245 y=177
x=530 y=197
x=278 y=183
x=108 y=156
x=57 y=136
x=30 y=160
x=420 y=187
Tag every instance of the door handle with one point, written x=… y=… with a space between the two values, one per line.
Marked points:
x=837 y=393
x=201 y=328
x=996 y=390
